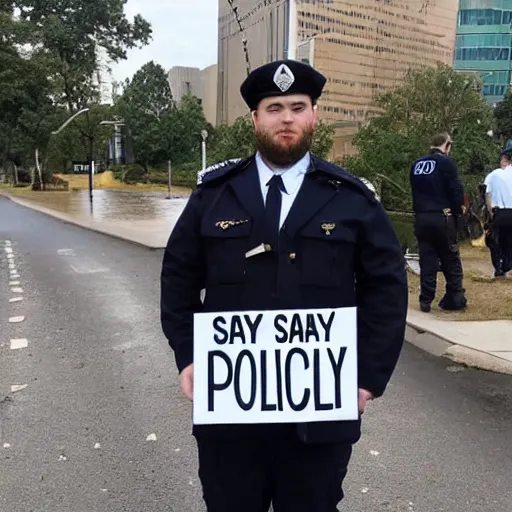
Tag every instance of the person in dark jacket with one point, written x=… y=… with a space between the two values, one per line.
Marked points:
x=283 y=230
x=438 y=198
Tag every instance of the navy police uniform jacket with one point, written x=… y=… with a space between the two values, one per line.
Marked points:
x=435 y=184
x=359 y=262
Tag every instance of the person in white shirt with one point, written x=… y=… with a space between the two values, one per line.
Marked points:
x=491 y=238
x=500 y=188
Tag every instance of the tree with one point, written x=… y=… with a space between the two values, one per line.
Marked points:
x=322 y=139
x=74 y=31
x=232 y=141
x=503 y=115
x=147 y=108
x=187 y=123
x=430 y=100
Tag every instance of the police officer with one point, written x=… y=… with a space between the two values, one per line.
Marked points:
x=283 y=229
x=438 y=197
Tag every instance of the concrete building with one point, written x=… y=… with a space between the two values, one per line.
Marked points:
x=185 y=82
x=484 y=43
x=363 y=47
x=209 y=85
x=202 y=84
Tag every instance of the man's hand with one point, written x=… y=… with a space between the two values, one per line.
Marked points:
x=187 y=382
x=364 y=397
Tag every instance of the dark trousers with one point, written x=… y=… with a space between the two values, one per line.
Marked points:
x=503 y=223
x=437 y=241
x=271 y=465
x=492 y=242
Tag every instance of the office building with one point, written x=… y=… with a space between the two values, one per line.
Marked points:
x=363 y=47
x=186 y=81
x=484 y=43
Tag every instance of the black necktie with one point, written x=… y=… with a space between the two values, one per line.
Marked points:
x=273 y=210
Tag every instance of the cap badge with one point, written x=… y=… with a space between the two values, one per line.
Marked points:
x=284 y=78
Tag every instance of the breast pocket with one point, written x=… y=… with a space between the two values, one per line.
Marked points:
x=226 y=243
x=326 y=256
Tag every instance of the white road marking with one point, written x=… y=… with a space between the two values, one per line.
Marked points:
x=177 y=450
x=17 y=290
x=14 y=283
x=12 y=266
x=66 y=252
x=19 y=343
x=8 y=249
x=97 y=446
x=10 y=256
x=151 y=437
x=374 y=453
x=7 y=445
x=364 y=490
x=63 y=457
x=16 y=299
x=15 y=276
x=18 y=387
x=16 y=319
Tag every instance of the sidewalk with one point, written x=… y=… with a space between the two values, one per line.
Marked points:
x=485 y=345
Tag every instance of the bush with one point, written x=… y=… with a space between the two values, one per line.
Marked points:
x=134 y=174
x=24 y=176
x=131 y=174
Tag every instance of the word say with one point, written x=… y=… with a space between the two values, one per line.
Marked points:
x=275 y=366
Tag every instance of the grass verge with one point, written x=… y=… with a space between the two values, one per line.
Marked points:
x=488 y=298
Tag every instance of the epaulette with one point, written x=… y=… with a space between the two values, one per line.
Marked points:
x=218 y=170
x=338 y=175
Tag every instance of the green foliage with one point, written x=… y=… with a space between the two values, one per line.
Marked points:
x=430 y=100
x=503 y=115
x=72 y=31
x=49 y=59
x=323 y=139
x=232 y=141
x=160 y=131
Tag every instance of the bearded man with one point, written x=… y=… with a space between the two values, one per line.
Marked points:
x=283 y=230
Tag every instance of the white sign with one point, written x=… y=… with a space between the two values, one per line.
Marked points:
x=275 y=366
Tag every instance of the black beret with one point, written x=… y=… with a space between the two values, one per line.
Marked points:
x=281 y=78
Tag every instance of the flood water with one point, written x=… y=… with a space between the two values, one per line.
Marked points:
x=112 y=205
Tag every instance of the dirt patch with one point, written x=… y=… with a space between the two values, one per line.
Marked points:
x=488 y=298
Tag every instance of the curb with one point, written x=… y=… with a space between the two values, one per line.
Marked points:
x=441 y=347
x=69 y=219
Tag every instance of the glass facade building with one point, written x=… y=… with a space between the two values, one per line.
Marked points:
x=484 y=44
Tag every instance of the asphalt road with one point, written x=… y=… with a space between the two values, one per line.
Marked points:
x=101 y=425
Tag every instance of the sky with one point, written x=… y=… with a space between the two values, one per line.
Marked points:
x=184 y=34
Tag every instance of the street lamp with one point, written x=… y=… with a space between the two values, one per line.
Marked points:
x=204 y=135
x=56 y=132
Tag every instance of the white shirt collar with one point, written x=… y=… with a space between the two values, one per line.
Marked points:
x=292 y=176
